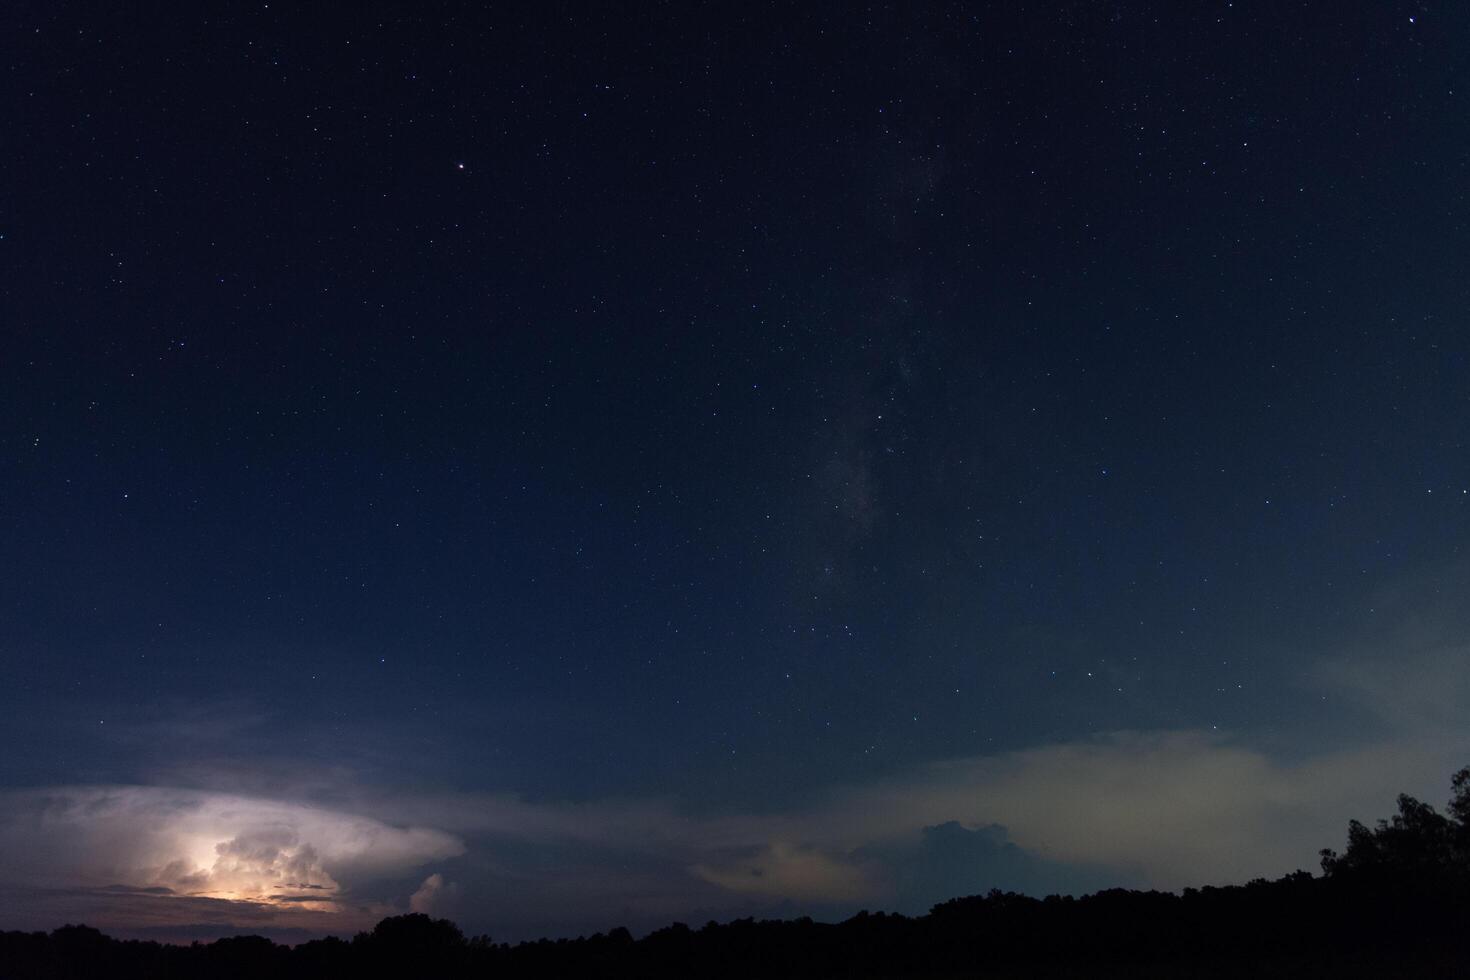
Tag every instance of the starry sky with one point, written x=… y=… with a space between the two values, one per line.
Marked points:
x=566 y=465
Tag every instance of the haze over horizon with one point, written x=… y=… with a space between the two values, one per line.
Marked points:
x=557 y=467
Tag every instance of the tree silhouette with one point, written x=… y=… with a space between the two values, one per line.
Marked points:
x=1419 y=844
x=414 y=944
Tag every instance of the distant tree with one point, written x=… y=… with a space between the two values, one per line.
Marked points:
x=416 y=931
x=243 y=956
x=1418 y=843
x=1460 y=802
x=414 y=943
x=82 y=946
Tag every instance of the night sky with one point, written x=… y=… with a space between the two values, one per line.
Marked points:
x=566 y=465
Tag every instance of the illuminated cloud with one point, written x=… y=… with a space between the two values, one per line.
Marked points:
x=159 y=845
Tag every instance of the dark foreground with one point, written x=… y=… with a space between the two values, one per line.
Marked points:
x=1298 y=926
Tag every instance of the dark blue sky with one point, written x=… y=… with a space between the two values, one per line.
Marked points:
x=694 y=416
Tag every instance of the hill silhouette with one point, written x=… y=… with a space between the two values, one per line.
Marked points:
x=1396 y=902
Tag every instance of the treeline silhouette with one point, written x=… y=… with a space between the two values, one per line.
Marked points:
x=1395 y=903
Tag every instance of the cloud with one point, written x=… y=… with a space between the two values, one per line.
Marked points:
x=798 y=872
x=434 y=897
x=909 y=873
x=1165 y=809
x=185 y=851
x=1133 y=809
x=269 y=863
x=1154 y=809
x=950 y=860
x=1158 y=809
x=1425 y=689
